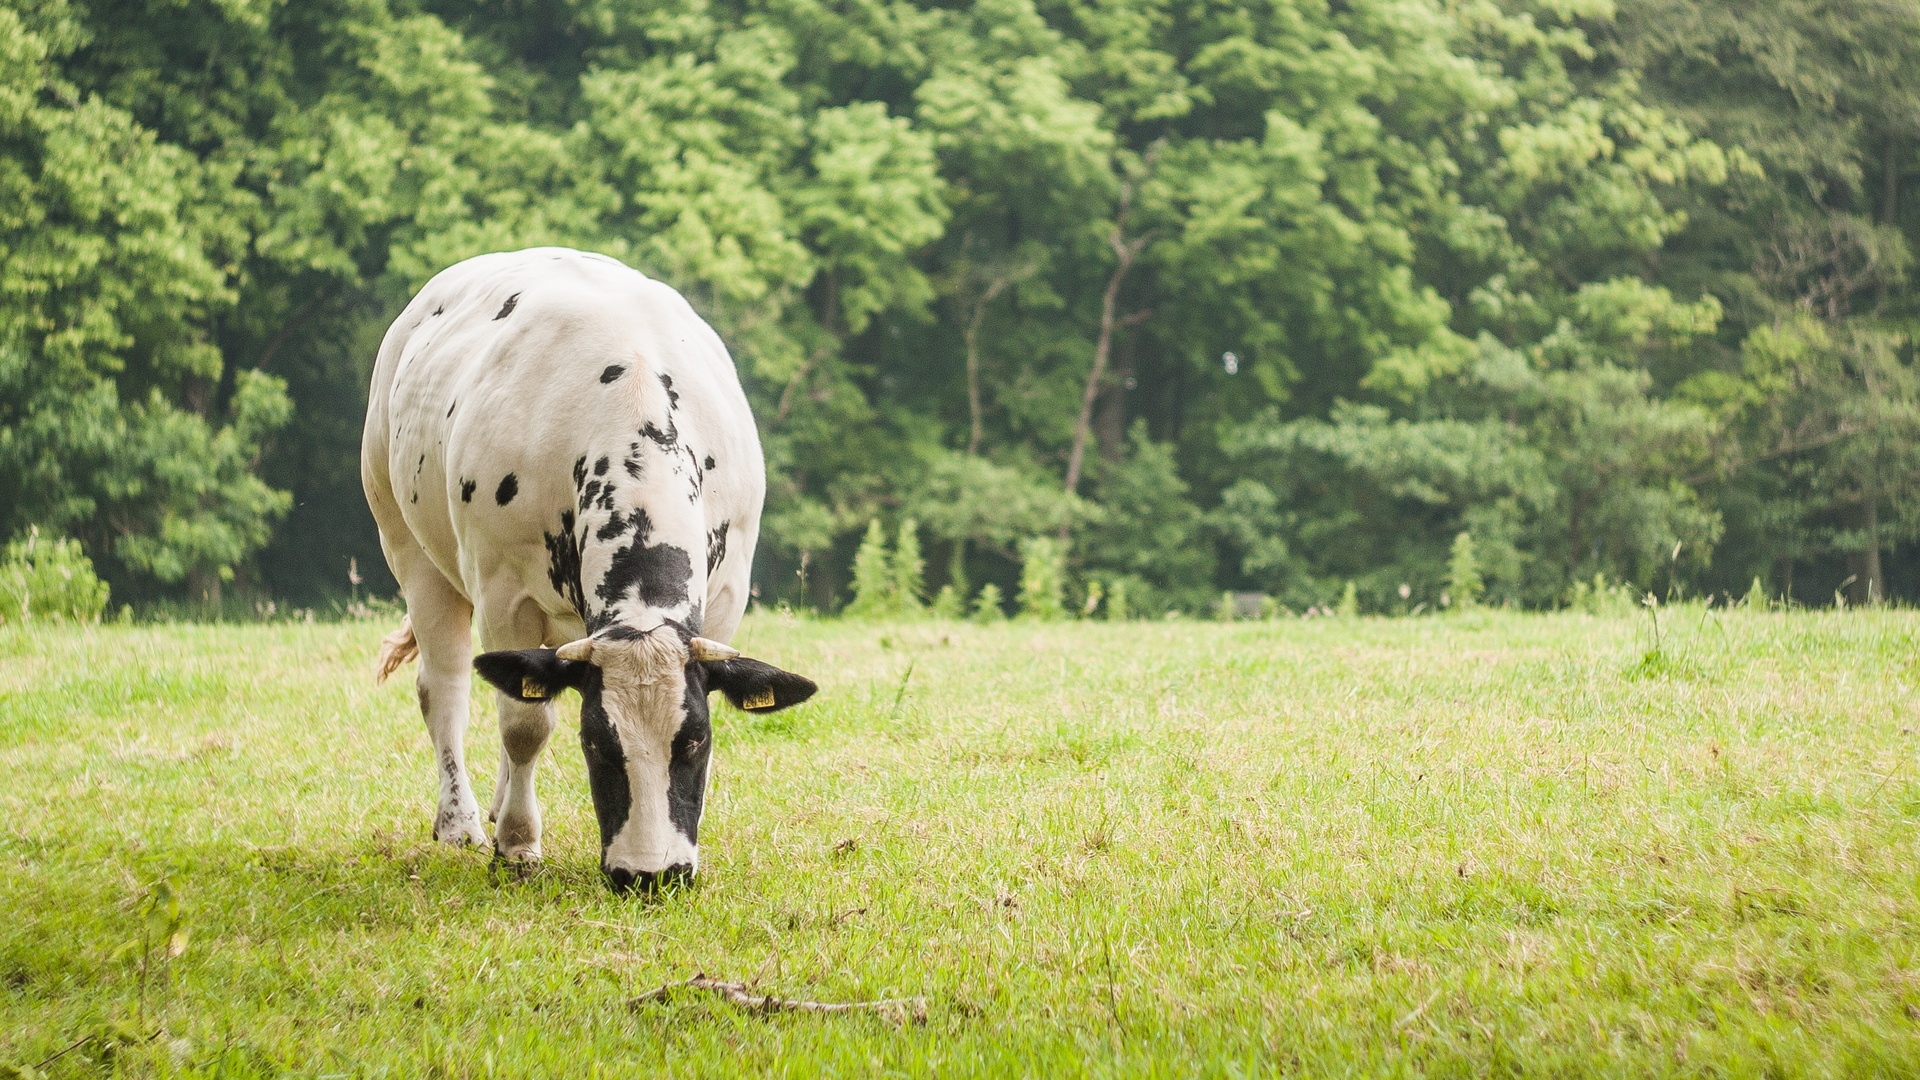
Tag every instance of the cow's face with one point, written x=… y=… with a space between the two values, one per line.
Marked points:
x=645 y=732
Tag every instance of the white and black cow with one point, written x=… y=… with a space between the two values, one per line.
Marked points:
x=559 y=445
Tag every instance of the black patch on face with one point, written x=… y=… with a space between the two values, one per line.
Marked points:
x=687 y=768
x=612 y=372
x=600 y=467
x=466 y=490
x=606 y=762
x=563 y=563
x=509 y=487
x=673 y=397
x=717 y=544
x=710 y=462
x=659 y=572
x=506 y=309
x=696 y=618
x=620 y=632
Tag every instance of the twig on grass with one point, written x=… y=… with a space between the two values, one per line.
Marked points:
x=899 y=1010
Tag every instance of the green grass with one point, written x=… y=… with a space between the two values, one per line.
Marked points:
x=1485 y=844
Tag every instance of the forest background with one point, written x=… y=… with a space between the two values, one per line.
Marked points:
x=1278 y=297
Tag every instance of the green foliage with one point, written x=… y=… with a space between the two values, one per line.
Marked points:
x=1349 y=605
x=1118 y=609
x=1464 y=584
x=1043 y=579
x=49 y=577
x=874 y=583
x=908 y=569
x=1585 y=280
x=948 y=603
x=989 y=605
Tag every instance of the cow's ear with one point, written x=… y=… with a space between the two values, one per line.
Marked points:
x=757 y=687
x=529 y=674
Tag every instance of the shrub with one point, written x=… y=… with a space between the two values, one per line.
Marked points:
x=1043 y=578
x=949 y=604
x=986 y=606
x=45 y=577
x=873 y=580
x=1463 y=574
x=908 y=570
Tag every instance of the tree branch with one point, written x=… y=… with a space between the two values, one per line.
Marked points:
x=899 y=1010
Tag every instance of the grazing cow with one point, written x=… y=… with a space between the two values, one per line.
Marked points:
x=559 y=445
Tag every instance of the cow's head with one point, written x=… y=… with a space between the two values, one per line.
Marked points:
x=645 y=731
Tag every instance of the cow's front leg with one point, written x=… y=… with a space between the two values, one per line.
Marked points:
x=525 y=728
x=442 y=621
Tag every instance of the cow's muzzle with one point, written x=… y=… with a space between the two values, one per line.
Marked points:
x=647 y=882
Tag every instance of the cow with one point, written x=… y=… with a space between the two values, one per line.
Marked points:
x=558 y=445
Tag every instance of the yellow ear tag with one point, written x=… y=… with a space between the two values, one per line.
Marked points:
x=758 y=701
x=531 y=687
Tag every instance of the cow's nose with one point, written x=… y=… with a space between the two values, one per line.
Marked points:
x=647 y=881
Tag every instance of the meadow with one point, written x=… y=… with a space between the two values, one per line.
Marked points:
x=1479 y=844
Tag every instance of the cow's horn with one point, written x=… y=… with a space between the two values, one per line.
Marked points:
x=708 y=649
x=576 y=650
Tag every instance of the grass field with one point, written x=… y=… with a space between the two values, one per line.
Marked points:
x=1483 y=844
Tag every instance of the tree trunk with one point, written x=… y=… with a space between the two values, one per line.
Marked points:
x=976 y=412
x=1125 y=251
x=1110 y=414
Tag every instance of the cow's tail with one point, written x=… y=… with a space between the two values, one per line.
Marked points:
x=395 y=649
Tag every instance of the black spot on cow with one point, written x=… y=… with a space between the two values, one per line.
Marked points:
x=421 y=464
x=612 y=372
x=667 y=438
x=426 y=700
x=656 y=574
x=466 y=490
x=579 y=472
x=696 y=621
x=673 y=396
x=588 y=494
x=416 y=497
x=450 y=408
x=615 y=526
x=636 y=467
x=621 y=632
x=710 y=463
x=439 y=310
x=563 y=564
x=509 y=487
x=600 y=467
x=506 y=309
x=717 y=545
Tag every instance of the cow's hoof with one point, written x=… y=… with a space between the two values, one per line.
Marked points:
x=461 y=830
x=528 y=854
x=520 y=865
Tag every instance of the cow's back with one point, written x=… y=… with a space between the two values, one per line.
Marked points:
x=552 y=426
